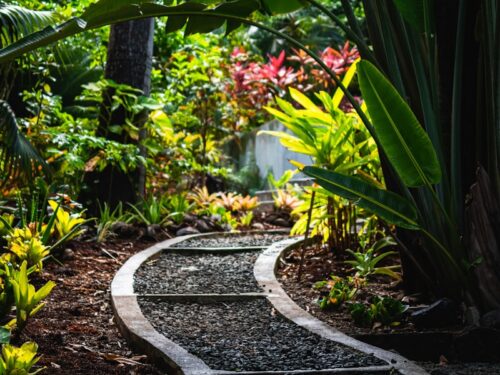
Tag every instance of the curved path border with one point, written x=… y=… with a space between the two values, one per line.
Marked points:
x=141 y=334
x=265 y=273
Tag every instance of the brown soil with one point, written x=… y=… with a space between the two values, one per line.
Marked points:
x=75 y=331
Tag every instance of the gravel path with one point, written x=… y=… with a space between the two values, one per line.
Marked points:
x=248 y=336
x=234 y=240
x=198 y=273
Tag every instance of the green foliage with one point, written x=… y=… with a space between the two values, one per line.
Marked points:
x=27 y=299
x=178 y=206
x=339 y=291
x=398 y=130
x=151 y=211
x=365 y=260
x=108 y=217
x=384 y=311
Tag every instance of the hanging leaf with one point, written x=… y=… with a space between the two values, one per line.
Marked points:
x=175 y=23
x=389 y=206
x=282 y=6
x=403 y=139
x=413 y=12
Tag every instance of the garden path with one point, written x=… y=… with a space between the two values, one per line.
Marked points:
x=211 y=305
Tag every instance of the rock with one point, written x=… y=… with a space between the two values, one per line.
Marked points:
x=226 y=227
x=190 y=218
x=68 y=254
x=126 y=230
x=281 y=222
x=202 y=226
x=472 y=316
x=491 y=319
x=153 y=230
x=258 y=226
x=186 y=231
x=478 y=344
x=442 y=313
x=216 y=218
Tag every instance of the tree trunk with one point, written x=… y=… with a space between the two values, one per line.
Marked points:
x=483 y=239
x=130 y=53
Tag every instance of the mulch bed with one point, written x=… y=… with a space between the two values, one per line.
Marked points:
x=75 y=331
x=248 y=336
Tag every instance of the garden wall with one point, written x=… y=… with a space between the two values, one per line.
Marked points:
x=267 y=152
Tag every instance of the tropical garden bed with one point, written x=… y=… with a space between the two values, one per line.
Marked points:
x=130 y=129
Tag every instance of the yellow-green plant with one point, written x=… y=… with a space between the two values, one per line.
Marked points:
x=19 y=361
x=27 y=246
x=334 y=140
x=68 y=225
x=246 y=220
x=6 y=221
x=27 y=299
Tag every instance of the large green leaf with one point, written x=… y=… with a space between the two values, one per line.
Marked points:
x=199 y=18
x=399 y=132
x=282 y=6
x=413 y=12
x=389 y=206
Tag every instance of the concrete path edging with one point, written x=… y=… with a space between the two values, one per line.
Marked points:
x=136 y=328
x=178 y=361
x=265 y=274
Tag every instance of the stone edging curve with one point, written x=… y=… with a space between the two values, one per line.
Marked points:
x=141 y=334
x=137 y=329
x=265 y=274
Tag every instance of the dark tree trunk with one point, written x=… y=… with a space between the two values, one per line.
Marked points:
x=130 y=53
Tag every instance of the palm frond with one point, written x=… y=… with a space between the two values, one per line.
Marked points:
x=18 y=158
x=16 y=22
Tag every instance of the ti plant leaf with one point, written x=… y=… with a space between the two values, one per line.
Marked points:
x=389 y=206
x=399 y=132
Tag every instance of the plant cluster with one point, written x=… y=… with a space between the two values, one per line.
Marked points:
x=30 y=231
x=382 y=311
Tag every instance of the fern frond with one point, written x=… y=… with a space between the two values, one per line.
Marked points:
x=18 y=158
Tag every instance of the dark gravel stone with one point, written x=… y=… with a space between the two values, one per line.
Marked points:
x=233 y=240
x=197 y=273
x=248 y=336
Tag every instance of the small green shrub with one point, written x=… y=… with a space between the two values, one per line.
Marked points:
x=339 y=289
x=384 y=311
